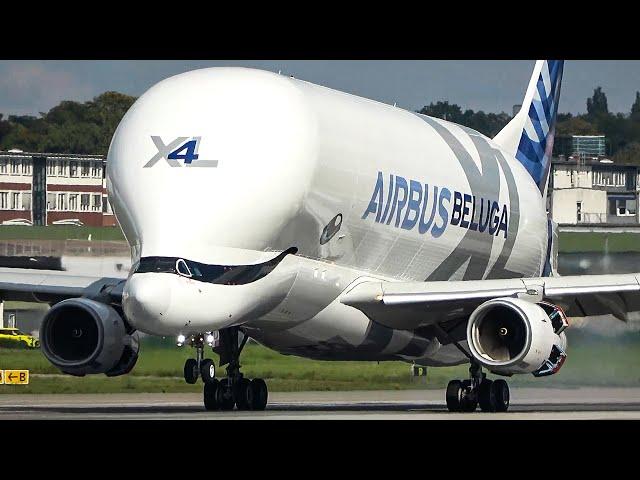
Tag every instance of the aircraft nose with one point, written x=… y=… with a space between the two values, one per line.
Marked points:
x=146 y=297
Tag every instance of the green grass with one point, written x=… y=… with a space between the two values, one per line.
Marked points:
x=59 y=232
x=592 y=361
x=570 y=242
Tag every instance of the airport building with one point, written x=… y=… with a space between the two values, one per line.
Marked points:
x=53 y=189
x=587 y=189
x=582 y=147
x=593 y=193
x=589 y=145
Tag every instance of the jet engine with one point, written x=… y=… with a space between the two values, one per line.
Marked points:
x=82 y=336
x=511 y=335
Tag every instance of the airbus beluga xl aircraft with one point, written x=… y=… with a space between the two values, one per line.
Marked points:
x=327 y=226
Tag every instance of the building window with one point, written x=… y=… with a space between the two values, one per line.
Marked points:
x=4 y=200
x=85 y=200
x=73 y=202
x=61 y=168
x=96 y=170
x=51 y=201
x=609 y=179
x=62 y=201
x=622 y=205
x=579 y=211
x=51 y=167
x=15 y=166
x=84 y=169
x=26 y=200
x=15 y=201
x=3 y=165
x=26 y=166
x=73 y=169
x=97 y=203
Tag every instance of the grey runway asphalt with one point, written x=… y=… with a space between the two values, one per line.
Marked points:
x=527 y=403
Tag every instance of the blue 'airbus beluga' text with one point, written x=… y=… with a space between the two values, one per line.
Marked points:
x=413 y=203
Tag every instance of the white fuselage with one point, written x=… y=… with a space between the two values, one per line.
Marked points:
x=362 y=189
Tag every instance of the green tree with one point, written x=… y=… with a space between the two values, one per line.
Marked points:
x=488 y=124
x=106 y=111
x=575 y=126
x=69 y=127
x=444 y=110
x=563 y=117
x=597 y=104
x=5 y=127
x=635 y=108
x=629 y=154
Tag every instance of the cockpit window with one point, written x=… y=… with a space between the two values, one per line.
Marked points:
x=217 y=274
x=156 y=265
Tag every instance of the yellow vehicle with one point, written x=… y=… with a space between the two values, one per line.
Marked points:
x=13 y=337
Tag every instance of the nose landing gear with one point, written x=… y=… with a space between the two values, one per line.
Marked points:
x=465 y=395
x=198 y=367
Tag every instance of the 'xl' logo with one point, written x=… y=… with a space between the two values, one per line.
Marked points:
x=181 y=148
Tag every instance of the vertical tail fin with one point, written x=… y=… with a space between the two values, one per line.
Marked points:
x=529 y=135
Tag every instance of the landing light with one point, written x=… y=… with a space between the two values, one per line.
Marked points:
x=210 y=339
x=181 y=339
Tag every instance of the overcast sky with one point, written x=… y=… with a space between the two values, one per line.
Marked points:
x=29 y=87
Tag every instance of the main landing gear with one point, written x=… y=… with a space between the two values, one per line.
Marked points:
x=465 y=395
x=235 y=390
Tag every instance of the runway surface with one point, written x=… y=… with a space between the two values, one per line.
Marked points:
x=526 y=403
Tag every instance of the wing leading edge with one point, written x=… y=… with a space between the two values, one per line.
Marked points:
x=49 y=286
x=405 y=305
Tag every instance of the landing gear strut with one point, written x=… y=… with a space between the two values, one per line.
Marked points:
x=199 y=366
x=235 y=390
x=465 y=395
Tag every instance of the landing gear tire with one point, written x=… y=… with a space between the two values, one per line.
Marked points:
x=208 y=371
x=469 y=400
x=465 y=395
x=224 y=395
x=454 y=395
x=260 y=394
x=501 y=393
x=191 y=372
x=235 y=390
x=244 y=394
x=486 y=396
x=211 y=395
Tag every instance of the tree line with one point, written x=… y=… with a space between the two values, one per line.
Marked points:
x=622 y=130
x=69 y=127
x=87 y=127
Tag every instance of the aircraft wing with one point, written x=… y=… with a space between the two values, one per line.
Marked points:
x=52 y=286
x=403 y=304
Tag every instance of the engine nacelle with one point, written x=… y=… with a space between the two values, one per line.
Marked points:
x=510 y=335
x=81 y=336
